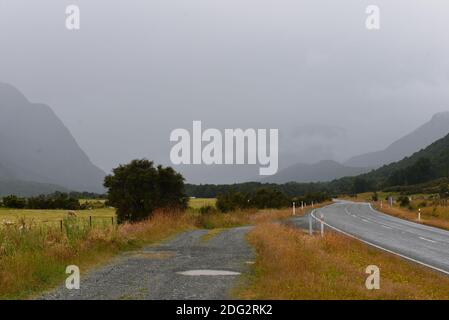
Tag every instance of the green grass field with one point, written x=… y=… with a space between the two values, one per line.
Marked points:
x=53 y=217
x=197 y=203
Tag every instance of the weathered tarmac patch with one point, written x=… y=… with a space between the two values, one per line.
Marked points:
x=209 y=273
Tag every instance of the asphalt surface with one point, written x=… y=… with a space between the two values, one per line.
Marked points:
x=155 y=272
x=413 y=241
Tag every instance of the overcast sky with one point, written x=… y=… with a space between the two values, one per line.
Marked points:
x=137 y=69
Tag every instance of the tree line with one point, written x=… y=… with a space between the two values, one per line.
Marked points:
x=394 y=176
x=137 y=189
x=265 y=198
x=57 y=200
x=290 y=189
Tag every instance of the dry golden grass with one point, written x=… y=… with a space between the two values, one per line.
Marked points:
x=293 y=265
x=432 y=214
x=35 y=260
x=437 y=216
x=249 y=217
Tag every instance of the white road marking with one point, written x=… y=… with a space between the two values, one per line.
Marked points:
x=208 y=273
x=380 y=247
x=429 y=240
x=386 y=227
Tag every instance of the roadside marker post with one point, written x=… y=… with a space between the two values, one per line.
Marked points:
x=310 y=225
x=419 y=214
x=294 y=209
x=302 y=205
x=322 y=225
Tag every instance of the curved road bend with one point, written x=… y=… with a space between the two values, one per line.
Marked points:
x=423 y=244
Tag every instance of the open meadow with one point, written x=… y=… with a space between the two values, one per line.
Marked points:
x=98 y=216
x=197 y=203
x=54 y=217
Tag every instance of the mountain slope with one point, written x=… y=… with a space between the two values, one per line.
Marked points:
x=36 y=146
x=322 y=171
x=435 y=129
x=27 y=188
x=424 y=165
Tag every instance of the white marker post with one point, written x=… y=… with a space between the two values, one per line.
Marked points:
x=294 y=209
x=419 y=214
x=302 y=205
x=310 y=225
x=381 y=204
x=322 y=225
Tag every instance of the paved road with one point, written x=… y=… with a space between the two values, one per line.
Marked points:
x=424 y=244
x=155 y=272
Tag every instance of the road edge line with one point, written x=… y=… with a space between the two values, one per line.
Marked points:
x=379 y=247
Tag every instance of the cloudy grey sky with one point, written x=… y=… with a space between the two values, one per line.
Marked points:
x=138 y=69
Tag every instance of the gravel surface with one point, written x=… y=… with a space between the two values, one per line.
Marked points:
x=153 y=273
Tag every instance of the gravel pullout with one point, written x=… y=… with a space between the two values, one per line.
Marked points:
x=153 y=273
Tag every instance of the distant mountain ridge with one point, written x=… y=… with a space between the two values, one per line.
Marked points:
x=325 y=170
x=434 y=161
x=27 y=188
x=436 y=128
x=37 y=148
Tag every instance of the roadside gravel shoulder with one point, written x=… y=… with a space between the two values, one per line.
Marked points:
x=153 y=272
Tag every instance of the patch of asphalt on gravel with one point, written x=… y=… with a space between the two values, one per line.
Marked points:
x=302 y=222
x=152 y=273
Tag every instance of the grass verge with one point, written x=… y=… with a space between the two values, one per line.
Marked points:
x=33 y=258
x=291 y=264
x=434 y=217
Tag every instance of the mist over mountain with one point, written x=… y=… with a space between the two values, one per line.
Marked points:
x=422 y=166
x=27 y=188
x=325 y=170
x=436 y=128
x=37 y=149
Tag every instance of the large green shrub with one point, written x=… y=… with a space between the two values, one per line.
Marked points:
x=138 y=188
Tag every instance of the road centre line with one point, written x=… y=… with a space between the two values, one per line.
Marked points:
x=378 y=246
